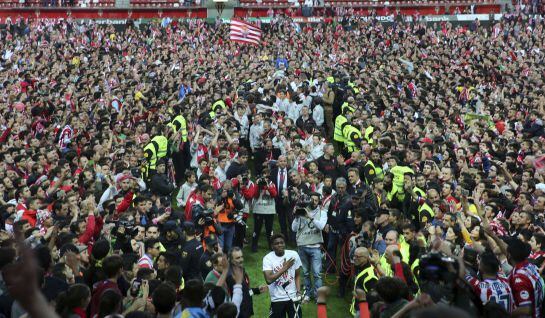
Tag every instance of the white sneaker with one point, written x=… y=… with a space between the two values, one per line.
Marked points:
x=306 y=299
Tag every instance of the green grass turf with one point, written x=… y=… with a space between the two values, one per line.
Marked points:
x=253 y=262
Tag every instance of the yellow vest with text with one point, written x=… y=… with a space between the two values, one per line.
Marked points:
x=348 y=133
x=379 y=174
x=179 y=124
x=367 y=275
x=217 y=104
x=338 y=132
x=155 y=149
x=368 y=132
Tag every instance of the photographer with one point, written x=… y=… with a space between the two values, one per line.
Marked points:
x=308 y=224
x=264 y=208
x=292 y=196
x=231 y=204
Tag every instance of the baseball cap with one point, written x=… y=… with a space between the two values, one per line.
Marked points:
x=211 y=240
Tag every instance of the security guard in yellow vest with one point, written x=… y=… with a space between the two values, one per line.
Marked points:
x=365 y=275
x=341 y=120
x=368 y=135
x=355 y=89
x=425 y=213
x=398 y=173
x=352 y=138
x=372 y=168
x=179 y=124
x=156 y=149
x=218 y=104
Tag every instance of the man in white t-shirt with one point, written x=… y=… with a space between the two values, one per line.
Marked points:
x=281 y=269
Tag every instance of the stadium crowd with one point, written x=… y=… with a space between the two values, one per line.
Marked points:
x=405 y=158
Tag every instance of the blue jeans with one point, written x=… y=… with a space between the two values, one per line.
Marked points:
x=226 y=237
x=311 y=258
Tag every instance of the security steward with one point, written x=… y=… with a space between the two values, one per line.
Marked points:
x=365 y=278
x=398 y=171
x=373 y=168
x=352 y=138
x=340 y=121
x=159 y=147
x=180 y=158
x=191 y=253
x=416 y=207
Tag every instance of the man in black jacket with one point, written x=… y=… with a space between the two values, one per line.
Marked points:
x=332 y=228
x=279 y=176
x=160 y=184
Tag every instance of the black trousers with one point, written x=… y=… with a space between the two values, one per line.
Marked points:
x=240 y=234
x=283 y=309
x=259 y=219
x=285 y=218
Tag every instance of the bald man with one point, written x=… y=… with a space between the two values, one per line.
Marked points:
x=366 y=277
x=392 y=243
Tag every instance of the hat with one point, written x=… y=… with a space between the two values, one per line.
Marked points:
x=189 y=226
x=12 y=202
x=211 y=240
x=358 y=193
x=161 y=162
x=382 y=212
x=540 y=187
x=170 y=226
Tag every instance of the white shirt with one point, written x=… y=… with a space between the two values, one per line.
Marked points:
x=318 y=115
x=255 y=136
x=221 y=174
x=244 y=124
x=285 y=183
x=274 y=263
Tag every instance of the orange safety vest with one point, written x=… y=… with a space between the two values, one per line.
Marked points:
x=223 y=215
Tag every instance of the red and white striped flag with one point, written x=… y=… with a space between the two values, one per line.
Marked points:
x=244 y=32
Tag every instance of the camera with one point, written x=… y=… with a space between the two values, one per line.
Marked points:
x=238 y=217
x=135 y=287
x=245 y=179
x=208 y=216
x=262 y=181
x=302 y=205
x=230 y=194
x=437 y=276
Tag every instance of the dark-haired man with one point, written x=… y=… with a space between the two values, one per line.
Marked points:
x=492 y=288
x=525 y=281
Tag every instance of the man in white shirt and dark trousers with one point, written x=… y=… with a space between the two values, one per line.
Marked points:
x=281 y=269
x=308 y=224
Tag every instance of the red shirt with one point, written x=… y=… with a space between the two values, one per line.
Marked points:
x=98 y=290
x=527 y=286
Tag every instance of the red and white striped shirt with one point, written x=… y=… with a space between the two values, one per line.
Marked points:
x=145 y=262
x=493 y=290
x=527 y=286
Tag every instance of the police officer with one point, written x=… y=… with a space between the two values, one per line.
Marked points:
x=212 y=247
x=365 y=277
x=191 y=253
